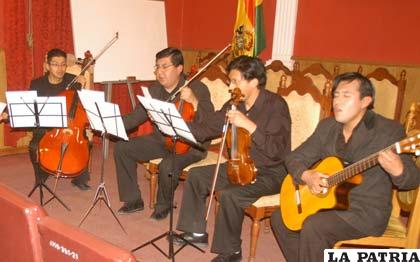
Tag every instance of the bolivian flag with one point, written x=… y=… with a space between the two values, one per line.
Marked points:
x=248 y=34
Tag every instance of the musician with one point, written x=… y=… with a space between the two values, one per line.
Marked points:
x=52 y=84
x=266 y=117
x=352 y=134
x=169 y=78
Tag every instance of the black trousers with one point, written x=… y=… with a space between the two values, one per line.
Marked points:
x=233 y=199
x=38 y=171
x=145 y=148
x=320 y=231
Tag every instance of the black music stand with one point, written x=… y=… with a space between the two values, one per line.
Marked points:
x=102 y=119
x=26 y=110
x=170 y=122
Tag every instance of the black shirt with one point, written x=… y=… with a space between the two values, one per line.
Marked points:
x=157 y=91
x=271 y=141
x=45 y=88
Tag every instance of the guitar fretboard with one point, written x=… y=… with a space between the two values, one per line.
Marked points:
x=356 y=168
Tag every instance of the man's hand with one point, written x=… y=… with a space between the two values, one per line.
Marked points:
x=81 y=80
x=316 y=182
x=89 y=134
x=240 y=120
x=4 y=116
x=188 y=96
x=391 y=162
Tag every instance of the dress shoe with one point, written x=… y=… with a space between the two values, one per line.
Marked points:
x=234 y=257
x=160 y=214
x=131 y=207
x=200 y=241
x=81 y=185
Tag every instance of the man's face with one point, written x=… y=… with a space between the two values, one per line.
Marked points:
x=167 y=74
x=237 y=80
x=57 y=67
x=348 y=107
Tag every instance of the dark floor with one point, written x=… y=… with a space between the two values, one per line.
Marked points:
x=16 y=172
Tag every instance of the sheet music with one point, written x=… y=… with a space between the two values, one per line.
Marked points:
x=88 y=99
x=21 y=106
x=2 y=106
x=159 y=111
x=112 y=119
x=111 y=116
x=146 y=92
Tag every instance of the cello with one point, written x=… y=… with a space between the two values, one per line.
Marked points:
x=65 y=152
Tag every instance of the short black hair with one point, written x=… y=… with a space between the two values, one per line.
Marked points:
x=250 y=68
x=174 y=53
x=365 y=85
x=55 y=52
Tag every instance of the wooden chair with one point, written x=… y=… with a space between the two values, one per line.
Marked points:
x=389 y=92
x=319 y=75
x=274 y=72
x=215 y=78
x=397 y=233
x=307 y=107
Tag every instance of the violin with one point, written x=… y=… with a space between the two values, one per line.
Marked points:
x=187 y=109
x=187 y=112
x=240 y=166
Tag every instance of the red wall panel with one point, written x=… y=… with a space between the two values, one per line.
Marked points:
x=382 y=31
x=193 y=24
x=2 y=40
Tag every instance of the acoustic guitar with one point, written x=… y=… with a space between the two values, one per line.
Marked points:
x=297 y=202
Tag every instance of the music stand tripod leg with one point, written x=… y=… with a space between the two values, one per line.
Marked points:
x=40 y=184
x=170 y=233
x=101 y=194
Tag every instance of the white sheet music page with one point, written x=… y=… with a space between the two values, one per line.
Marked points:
x=110 y=113
x=112 y=119
x=52 y=111
x=146 y=92
x=167 y=118
x=88 y=99
x=16 y=106
x=21 y=106
x=2 y=106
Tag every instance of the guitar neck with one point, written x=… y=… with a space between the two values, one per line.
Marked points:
x=356 y=168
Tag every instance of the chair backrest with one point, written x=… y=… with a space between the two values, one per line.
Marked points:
x=409 y=201
x=215 y=78
x=19 y=239
x=319 y=75
x=413 y=223
x=275 y=71
x=63 y=242
x=389 y=92
x=307 y=106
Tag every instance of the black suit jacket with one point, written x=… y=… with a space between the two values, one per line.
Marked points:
x=370 y=202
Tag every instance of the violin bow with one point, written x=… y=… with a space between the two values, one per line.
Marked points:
x=93 y=60
x=198 y=73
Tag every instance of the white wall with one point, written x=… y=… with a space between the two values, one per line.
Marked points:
x=142 y=32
